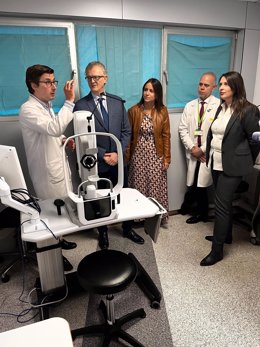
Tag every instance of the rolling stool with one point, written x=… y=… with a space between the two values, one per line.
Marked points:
x=107 y=272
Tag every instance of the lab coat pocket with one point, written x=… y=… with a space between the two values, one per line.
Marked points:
x=55 y=171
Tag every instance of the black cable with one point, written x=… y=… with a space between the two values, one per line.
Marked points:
x=19 y=195
x=27 y=310
x=57 y=238
x=22 y=195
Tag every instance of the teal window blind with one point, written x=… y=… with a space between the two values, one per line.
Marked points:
x=188 y=57
x=131 y=56
x=23 y=46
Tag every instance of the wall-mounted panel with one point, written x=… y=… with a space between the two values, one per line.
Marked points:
x=253 y=16
x=79 y=8
x=176 y=174
x=256 y=99
x=221 y=13
x=250 y=59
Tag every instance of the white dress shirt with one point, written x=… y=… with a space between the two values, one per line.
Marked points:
x=218 y=130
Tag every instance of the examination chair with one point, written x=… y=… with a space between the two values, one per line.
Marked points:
x=108 y=272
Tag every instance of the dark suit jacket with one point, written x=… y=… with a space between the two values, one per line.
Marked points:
x=239 y=152
x=118 y=125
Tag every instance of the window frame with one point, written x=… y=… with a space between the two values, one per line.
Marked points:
x=140 y=26
x=69 y=26
x=192 y=31
x=236 y=47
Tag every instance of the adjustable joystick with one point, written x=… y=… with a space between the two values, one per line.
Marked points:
x=58 y=203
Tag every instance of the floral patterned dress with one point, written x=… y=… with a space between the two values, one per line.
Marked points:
x=146 y=172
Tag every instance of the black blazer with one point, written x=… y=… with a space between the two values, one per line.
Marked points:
x=239 y=151
x=118 y=125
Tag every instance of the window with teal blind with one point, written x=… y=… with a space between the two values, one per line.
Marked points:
x=188 y=57
x=23 y=46
x=131 y=55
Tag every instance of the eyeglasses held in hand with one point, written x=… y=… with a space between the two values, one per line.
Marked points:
x=50 y=83
x=94 y=78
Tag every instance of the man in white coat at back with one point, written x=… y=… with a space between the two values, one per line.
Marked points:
x=196 y=119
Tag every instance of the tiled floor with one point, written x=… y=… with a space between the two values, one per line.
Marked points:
x=209 y=306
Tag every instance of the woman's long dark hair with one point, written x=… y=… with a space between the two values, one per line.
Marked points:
x=236 y=83
x=157 y=86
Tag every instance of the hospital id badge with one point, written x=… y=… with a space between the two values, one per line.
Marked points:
x=198 y=132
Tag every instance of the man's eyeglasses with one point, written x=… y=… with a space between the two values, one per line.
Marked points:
x=50 y=83
x=94 y=78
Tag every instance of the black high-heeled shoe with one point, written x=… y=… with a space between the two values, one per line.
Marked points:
x=214 y=256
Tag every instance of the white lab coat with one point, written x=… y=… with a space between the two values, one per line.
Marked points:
x=42 y=136
x=187 y=127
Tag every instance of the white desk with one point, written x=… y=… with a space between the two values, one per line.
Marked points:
x=51 y=332
x=133 y=205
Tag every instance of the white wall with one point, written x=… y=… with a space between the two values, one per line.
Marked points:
x=219 y=13
x=224 y=14
x=176 y=174
x=111 y=9
x=250 y=60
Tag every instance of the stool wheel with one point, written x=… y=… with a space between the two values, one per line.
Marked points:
x=155 y=304
x=143 y=315
x=5 y=278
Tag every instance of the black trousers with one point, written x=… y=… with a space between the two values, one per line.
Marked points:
x=197 y=195
x=225 y=187
x=112 y=175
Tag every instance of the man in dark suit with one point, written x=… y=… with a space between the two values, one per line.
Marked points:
x=110 y=116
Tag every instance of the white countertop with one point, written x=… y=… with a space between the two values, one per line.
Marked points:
x=53 y=332
x=133 y=205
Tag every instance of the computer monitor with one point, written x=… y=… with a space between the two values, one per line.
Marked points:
x=10 y=167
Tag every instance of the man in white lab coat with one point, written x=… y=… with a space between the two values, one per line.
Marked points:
x=196 y=119
x=43 y=137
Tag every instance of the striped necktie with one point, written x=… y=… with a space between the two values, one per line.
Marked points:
x=201 y=116
x=104 y=113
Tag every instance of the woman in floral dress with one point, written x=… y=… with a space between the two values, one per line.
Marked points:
x=149 y=152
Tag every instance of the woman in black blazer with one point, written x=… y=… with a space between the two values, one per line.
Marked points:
x=231 y=154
